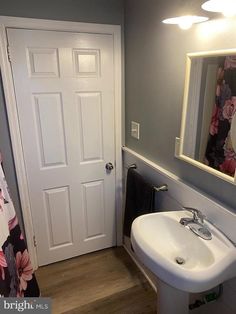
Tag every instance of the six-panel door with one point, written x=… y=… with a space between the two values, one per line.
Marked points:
x=64 y=84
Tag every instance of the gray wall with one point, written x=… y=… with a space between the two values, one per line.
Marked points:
x=94 y=11
x=155 y=69
x=91 y=11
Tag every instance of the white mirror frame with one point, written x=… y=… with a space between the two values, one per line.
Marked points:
x=190 y=110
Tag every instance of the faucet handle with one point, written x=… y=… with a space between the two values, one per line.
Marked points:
x=197 y=214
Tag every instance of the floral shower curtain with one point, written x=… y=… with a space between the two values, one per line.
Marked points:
x=16 y=272
x=219 y=152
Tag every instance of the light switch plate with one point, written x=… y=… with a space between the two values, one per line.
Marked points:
x=135 y=129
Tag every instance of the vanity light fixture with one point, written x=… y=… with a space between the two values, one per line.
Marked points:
x=226 y=7
x=186 y=21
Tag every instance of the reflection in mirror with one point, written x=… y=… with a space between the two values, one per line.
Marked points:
x=233 y=132
x=208 y=134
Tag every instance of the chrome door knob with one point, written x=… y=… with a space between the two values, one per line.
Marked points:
x=109 y=166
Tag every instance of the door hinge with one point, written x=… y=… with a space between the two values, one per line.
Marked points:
x=8 y=53
x=34 y=240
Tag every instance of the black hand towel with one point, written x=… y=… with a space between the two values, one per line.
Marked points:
x=139 y=199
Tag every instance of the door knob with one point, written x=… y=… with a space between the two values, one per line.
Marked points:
x=109 y=166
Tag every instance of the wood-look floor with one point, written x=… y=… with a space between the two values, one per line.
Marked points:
x=104 y=282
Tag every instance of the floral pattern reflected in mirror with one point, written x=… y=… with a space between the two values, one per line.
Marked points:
x=220 y=153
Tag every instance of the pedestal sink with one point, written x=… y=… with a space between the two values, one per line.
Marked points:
x=182 y=261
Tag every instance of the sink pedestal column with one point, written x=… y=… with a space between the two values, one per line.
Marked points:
x=171 y=300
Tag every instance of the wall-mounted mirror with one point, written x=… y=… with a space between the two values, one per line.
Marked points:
x=208 y=131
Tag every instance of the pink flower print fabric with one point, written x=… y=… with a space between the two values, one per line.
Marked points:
x=3 y=264
x=229 y=109
x=16 y=272
x=220 y=154
x=24 y=269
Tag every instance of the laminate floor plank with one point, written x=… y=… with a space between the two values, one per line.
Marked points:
x=104 y=282
x=135 y=300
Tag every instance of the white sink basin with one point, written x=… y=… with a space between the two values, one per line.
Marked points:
x=158 y=239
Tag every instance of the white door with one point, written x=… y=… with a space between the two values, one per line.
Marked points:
x=64 y=85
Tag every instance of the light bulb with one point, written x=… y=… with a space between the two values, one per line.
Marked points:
x=229 y=11
x=185 y=24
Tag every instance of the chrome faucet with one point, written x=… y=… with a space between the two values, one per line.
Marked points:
x=196 y=223
x=197 y=216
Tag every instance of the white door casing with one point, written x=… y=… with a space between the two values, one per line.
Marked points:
x=93 y=185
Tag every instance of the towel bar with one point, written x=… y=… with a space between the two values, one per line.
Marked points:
x=161 y=188
x=133 y=166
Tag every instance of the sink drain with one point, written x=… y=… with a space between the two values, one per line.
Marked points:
x=179 y=260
